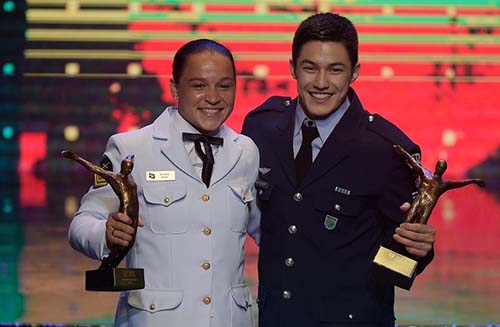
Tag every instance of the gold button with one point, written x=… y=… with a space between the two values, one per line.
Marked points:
x=152 y=307
x=205 y=197
x=207 y=231
x=207 y=300
x=206 y=265
x=166 y=199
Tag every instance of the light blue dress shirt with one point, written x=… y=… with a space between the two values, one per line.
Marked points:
x=324 y=126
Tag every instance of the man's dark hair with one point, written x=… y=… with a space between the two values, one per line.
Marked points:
x=198 y=46
x=326 y=27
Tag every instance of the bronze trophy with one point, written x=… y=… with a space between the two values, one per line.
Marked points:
x=108 y=277
x=430 y=187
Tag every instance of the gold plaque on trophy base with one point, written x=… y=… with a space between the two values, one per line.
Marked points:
x=114 y=279
x=395 y=262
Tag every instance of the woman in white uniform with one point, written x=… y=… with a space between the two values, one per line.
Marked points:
x=194 y=217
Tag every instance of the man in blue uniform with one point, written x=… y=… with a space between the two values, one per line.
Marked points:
x=329 y=189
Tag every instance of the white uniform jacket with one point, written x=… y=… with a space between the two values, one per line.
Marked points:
x=191 y=247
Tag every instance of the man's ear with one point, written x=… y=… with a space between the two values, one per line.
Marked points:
x=355 y=72
x=173 y=89
x=292 y=68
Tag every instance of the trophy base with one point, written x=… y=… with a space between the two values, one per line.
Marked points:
x=395 y=267
x=114 y=279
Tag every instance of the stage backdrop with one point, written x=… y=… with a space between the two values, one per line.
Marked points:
x=76 y=71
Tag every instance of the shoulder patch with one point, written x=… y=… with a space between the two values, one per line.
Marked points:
x=105 y=164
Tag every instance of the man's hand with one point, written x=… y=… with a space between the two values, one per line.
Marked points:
x=418 y=239
x=119 y=229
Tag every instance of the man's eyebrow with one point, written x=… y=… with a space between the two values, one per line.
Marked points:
x=307 y=61
x=337 y=64
x=310 y=62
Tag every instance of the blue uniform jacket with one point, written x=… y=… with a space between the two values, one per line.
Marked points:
x=318 y=240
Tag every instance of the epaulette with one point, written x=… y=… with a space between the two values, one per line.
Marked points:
x=390 y=132
x=274 y=103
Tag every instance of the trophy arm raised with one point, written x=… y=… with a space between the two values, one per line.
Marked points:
x=449 y=185
x=110 y=177
x=87 y=164
x=410 y=160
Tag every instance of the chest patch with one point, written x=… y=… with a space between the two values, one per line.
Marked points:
x=330 y=222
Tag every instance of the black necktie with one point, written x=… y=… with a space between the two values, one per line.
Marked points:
x=207 y=157
x=303 y=160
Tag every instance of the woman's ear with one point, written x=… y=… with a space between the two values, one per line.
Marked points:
x=173 y=89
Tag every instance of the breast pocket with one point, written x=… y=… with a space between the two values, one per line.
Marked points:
x=339 y=219
x=344 y=206
x=167 y=210
x=239 y=198
x=155 y=300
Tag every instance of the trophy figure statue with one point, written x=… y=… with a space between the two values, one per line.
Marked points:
x=430 y=187
x=108 y=277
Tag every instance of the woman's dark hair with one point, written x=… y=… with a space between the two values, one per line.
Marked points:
x=198 y=46
x=326 y=27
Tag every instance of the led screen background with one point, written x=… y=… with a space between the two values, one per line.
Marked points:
x=75 y=72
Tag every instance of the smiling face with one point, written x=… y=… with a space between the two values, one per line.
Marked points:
x=323 y=72
x=205 y=90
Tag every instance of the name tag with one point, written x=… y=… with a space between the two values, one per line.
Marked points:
x=165 y=175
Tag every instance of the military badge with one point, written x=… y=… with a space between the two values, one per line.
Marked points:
x=330 y=222
x=105 y=164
